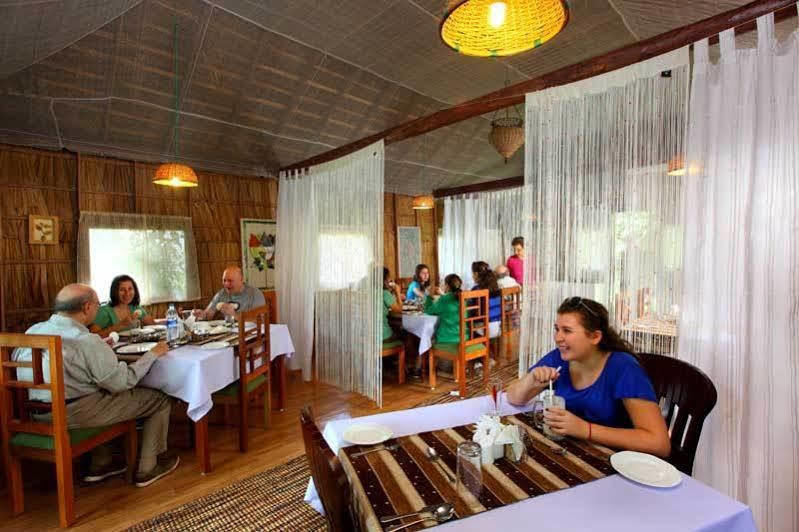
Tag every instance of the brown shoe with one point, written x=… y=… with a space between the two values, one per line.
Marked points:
x=161 y=469
x=102 y=473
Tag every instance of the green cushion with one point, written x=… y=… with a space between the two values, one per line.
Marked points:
x=233 y=389
x=40 y=441
x=391 y=344
x=453 y=348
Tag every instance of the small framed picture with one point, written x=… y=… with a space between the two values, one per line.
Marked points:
x=258 y=252
x=43 y=229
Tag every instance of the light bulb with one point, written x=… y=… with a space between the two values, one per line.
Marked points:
x=175 y=181
x=496 y=14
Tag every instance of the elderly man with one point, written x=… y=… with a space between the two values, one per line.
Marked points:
x=100 y=390
x=235 y=296
x=504 y=280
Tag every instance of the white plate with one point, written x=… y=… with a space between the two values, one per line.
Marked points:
x=367 y=434
x=219 y=329
x=157 y=327
x=129 y=332
x=215 y=345
x=646 y=469
x=137 y=348
x=214 y=323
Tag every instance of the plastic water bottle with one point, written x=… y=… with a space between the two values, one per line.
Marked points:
x=172 y=332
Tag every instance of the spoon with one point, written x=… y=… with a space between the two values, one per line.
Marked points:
x=390 y=447
x=433 y=456
x=433 y=508
x=441 y=514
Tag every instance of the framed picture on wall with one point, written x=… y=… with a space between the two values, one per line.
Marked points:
x=409 y=250
x=258 y=252
x=43 y=229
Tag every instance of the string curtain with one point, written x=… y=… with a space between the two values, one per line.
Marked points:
x=740 y=322
x=330 y=269
x=479 y=227
x=605 y=216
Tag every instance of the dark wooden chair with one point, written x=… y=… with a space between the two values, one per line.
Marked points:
x=271 y=302
x=511 y=318
x=328 y=476
x=686 y=395
x=474 y=317
x=395 y=347
x=24 y=437
x=253 y=353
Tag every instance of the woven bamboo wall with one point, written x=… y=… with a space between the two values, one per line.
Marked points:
x=397 y=211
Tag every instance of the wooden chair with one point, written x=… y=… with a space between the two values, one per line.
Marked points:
x=396 y=347
x=271 y=302
x=687 y=396
x=511 y=317
x=253 y=353
x=474 y=316
x=23 y=437
x=328 y=476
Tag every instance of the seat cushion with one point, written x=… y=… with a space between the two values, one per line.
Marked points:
x=233 y=388
x=40 y=441
x=453 y=348
x=391 y=344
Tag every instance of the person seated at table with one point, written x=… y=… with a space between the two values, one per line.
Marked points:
x=504 y=280
x=101 y=390
x=123 y=309
x=515 y=262
x=487 y=280
x=447 y=308
x=419 y=286
x=479 y=268
x=235 y=296
x=609 y=398
x=392 y=302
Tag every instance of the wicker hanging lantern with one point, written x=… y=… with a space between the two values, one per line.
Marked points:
x=423 y=202
x=507 y=135
x=491 y=28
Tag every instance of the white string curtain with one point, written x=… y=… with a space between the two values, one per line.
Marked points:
x=479 y=227
x=605 y=220
x=740 y=321
x=158 y=251
x=330 y=274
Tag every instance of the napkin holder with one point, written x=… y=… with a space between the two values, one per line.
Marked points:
x=497 y=440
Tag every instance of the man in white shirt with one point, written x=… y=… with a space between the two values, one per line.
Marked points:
x=504 y=280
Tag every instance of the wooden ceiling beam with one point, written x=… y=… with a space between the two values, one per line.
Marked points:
x=741 y=18
x=499 y=184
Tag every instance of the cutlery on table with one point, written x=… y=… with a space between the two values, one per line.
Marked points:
x=433 y=456
x=433 y=508
x=441 y=514
x=390 y=447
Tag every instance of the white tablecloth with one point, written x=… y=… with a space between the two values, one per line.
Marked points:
x=612 y=503
x=192 y=374
x=423 y=326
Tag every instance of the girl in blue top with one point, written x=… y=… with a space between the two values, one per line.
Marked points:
x=417 y=290
x=609 y=398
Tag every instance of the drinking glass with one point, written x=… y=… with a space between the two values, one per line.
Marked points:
x=494 y=388
x=230 y=320
x=538 y=414
x=553 y=401
x=185 y=314
x=469 y=469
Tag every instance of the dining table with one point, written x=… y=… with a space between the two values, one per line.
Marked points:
x=422 y=326
x=192 y=373
x=578 y=490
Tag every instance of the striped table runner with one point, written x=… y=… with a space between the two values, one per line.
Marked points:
x=401 y=481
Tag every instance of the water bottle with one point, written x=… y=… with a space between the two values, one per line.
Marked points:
x=172 y=332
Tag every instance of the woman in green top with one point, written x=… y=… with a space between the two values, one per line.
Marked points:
x=447 y=308
x=123 y=309
x=392 y=300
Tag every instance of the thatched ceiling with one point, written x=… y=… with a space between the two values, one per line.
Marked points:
x=268 y=83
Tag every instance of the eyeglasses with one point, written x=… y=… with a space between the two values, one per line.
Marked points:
x=578 y=301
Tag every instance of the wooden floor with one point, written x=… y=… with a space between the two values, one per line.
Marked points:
x=114 y=505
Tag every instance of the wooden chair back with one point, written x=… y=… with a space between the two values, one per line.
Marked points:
x=687 y=396
x=474 y=316
x=328 y=476
x=271 y=302
x=254 y=344
x=511 y=309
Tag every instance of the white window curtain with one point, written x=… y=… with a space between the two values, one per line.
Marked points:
x=605 y=218
x=740 y=321
x=479 y=227
x=330 y=223
x=157 y=251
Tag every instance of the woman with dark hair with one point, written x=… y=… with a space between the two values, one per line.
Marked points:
x=392 y=301
x=609 y=398
x=418 y=288
x=122 y=310
x=479 y=267
x=486 y=279
x=447 y=308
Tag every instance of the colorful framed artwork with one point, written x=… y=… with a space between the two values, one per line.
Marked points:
x=43 y=229
x=258 y=252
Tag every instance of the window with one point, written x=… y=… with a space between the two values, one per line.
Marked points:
x=344 y=260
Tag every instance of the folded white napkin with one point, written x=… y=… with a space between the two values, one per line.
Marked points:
x=493 y=436
x=190 y=322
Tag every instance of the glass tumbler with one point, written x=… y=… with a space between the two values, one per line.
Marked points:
x=469 y=469
x=553 y=401
x=538 y=414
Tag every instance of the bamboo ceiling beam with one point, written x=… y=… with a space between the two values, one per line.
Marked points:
x=498 y=184
x=740 y=18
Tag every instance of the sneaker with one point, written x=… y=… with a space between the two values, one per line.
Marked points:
x=415 y=373
x=161 y=469
x=102 y=473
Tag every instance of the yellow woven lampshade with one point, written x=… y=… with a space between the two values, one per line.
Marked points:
x=488 y=28
x=507 y=135
x=175 y=175
x=676 y=167
x=423 y=202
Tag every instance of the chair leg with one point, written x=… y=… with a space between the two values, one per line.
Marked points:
x=15 y=487
x=432 y=362
x=244 y=403
x=66 y=495
x=460 y=367
x=401 y=366
x=268 y=403
x=486 y=368
x=131 y=450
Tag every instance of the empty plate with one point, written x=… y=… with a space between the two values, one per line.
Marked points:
x=367 y=434
x=215 y=345
x=157 y=327
x=137 y=348
x=646 y=469
x=129 y=332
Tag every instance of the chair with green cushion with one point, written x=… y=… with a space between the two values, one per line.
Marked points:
x=24 y=437
x=253 y=353
x=474 y=317
x=396 y=347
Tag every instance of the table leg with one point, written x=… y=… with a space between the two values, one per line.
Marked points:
x=279 y=371
x=201 y=445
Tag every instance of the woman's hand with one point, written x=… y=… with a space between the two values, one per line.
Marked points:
x=544 y=374
x=435 y=290
x=125 y=322
x=562 y=421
